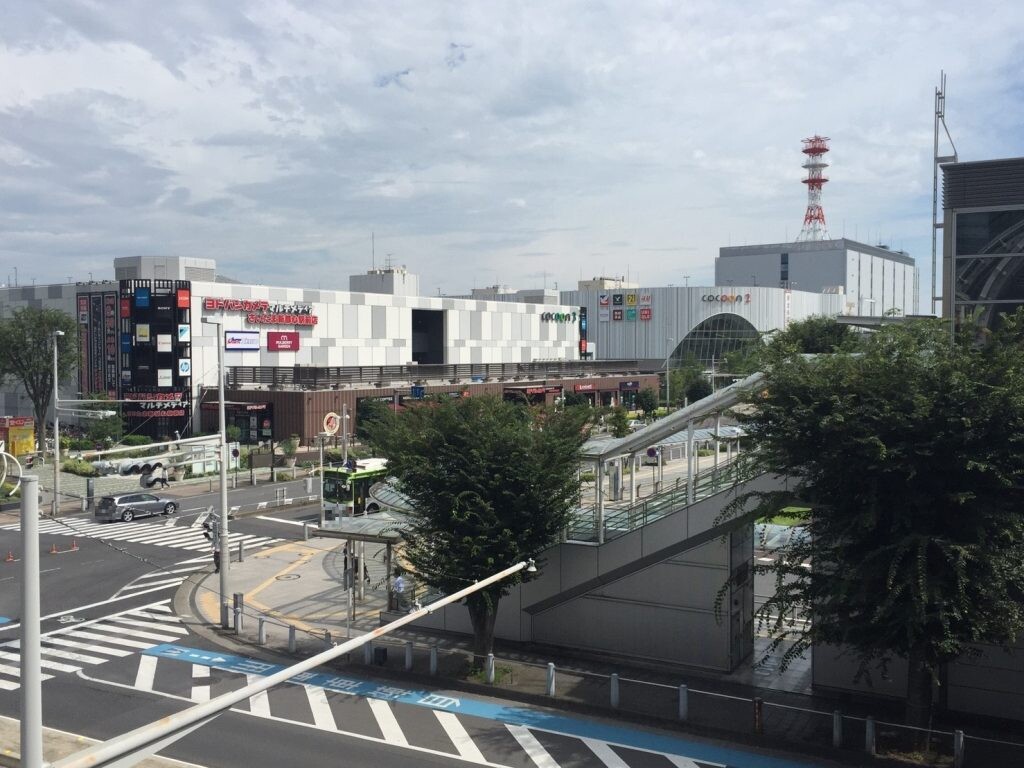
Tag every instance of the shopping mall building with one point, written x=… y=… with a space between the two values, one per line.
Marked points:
x=151 y=336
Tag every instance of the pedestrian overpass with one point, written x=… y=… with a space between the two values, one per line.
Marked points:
x=642 y=579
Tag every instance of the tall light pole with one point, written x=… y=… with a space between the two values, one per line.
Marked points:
x=225 y=553
x=56 y=429
x=668 y=375
x=323 y=436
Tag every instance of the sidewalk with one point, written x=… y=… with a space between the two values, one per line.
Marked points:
x=300 y=584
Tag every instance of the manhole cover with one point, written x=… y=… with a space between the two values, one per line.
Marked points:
x=288 y=577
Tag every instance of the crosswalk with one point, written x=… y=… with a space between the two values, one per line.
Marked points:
x=437 y=725
x=87 y=644
x=175 y=536
x=170 y=577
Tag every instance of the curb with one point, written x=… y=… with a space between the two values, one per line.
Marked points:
x=185 y=605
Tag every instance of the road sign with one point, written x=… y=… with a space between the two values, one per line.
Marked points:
x=332 y=422
x=652 y=451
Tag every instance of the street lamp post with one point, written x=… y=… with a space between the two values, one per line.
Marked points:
x=323 y=436
x=56 y=429
x=225 y=553
x=668 y=375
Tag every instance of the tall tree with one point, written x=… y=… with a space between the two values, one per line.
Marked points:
x=26 y=355
x=492 y=482
x=910 y=456
x=647 y=401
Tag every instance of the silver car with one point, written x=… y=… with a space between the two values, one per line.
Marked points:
x=128 y=506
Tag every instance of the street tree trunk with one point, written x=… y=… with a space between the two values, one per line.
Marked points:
x=919 y=691
x=483 y=611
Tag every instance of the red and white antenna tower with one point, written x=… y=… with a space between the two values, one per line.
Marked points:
x=814 y=219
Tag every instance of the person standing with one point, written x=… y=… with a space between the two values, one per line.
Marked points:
x=399 y=589
x=212 y=532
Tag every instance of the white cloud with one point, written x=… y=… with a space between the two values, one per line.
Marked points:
x=651 y=133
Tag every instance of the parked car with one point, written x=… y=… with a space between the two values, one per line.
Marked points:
x=128 y=506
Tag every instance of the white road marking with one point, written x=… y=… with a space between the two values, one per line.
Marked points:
x=42 y=662
x=136 y=633
x=200 y=692
x=387 y=723
x=457 y=733
x=533 y=748
x=321 y=709
x=151 y=624
x=679 y=761
x=605 y=753
x=259 y=703
x=147 y=672
x=108 y=639
x=281 y=520
x=87 y=646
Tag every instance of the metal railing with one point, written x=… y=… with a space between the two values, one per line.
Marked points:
x=383 y=375
x=619 y=521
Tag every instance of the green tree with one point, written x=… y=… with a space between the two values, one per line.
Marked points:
x=26 y=355
x=618 y=422
x=698 y=389
x=744 y=360
x=574 y=399
x=103 y=429
x=492 y=482
x=368 y=412
x=910 y=457
x=816 y=335
x=647 y=401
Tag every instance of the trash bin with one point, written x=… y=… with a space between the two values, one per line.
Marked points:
x=380 y=656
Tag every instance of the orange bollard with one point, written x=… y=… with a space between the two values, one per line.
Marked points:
x=53 y=549
x=74 y=545
x=10 y=557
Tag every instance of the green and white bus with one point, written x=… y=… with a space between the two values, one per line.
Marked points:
x=347 y=489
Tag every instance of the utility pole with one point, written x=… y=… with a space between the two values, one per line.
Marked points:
x=31 y=678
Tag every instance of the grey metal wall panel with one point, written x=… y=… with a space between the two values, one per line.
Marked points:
x=985 y=184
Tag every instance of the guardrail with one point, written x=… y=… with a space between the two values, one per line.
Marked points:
x=619 y=521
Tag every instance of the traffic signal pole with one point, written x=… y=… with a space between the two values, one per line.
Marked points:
x=225 y=553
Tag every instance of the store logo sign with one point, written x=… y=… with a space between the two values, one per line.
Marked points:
x=726 y=298
x=558 y=317
x=241 y=341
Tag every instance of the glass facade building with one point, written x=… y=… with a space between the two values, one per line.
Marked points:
x=983 y=243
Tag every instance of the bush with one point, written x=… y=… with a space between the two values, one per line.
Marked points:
x=79 y=467
x=77 y=444
x=134 y=440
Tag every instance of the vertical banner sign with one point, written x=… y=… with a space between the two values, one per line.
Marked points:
x=97 y=365
x=83 y=342
x=110 y=343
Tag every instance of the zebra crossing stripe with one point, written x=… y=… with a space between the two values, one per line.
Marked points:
x=60 y=653
x=107 y=639
x=387 y=722
x=259 y=703
x=200 y=692
x=605 y=753
x=457 y=733
x=147 y=673
x=533 y=748
x=45 y=663
x=117 y=652
x=134 y=633
x=321 y=709
x=151 y=624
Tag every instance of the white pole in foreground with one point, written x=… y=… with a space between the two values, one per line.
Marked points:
x=225 y=554
x=168 y=729
x=31 y=679
x=56 y=429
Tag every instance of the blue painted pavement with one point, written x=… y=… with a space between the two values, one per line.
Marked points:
x=4 y=620
x=730 y=758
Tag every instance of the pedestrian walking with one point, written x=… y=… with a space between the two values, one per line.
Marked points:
x=162 y=477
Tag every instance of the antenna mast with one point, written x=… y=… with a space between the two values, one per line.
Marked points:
x=814 y=219
x=940 y=119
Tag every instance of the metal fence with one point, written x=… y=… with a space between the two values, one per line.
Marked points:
x=724 y=713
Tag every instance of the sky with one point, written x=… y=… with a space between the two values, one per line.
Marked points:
x=525 y=144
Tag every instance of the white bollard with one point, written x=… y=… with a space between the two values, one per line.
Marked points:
x=489 y=669
x=551 y=679
x=291 y=639
x=262 y=632
x=408 y=655
x=433 y=660
x=837 y=729
x=368 y=653
x=614 y=680
x=684 y=702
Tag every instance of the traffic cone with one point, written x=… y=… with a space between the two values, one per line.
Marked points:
x=10 y=557
x=53 y=548
x=74 y=545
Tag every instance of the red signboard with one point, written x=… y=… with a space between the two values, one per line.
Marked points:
x=282 y=341
x=645 y=313
x=184 y=298
x=584 y=387
x=126 y=307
